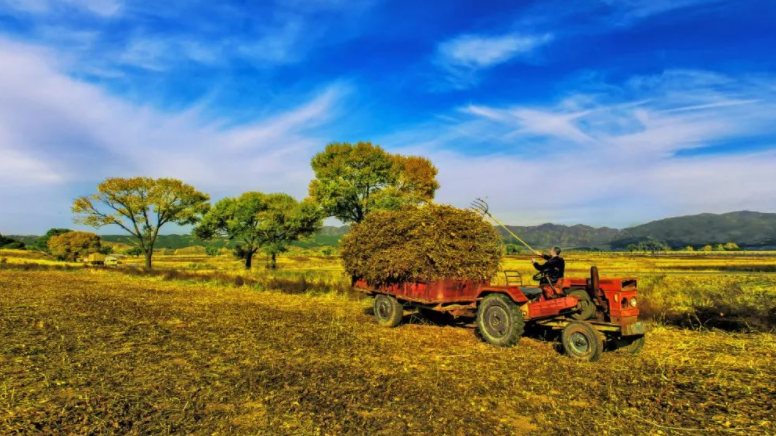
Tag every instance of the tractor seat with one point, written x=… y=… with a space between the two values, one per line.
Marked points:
x=531 y=292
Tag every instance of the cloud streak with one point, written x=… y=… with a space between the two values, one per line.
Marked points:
x=643 y=150
x=57 y=132
x=464 y=56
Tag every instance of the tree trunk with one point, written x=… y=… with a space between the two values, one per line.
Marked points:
x=148 y=255
x=273 y=262
x=248 y=259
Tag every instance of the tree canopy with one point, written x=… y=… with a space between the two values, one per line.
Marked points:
x=72 y=245
x=41 y=243
x=6 y=242
x=260 y=221
x=352 y=180
x=141 y=206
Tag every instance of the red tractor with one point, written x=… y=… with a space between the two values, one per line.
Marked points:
x=592 y=314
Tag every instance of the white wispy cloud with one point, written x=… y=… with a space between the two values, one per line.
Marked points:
x=627 y=11
x=464 y=56
x=57 y=132
x=619 y=158
x=479 y=51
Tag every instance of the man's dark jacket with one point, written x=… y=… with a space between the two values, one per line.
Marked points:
x=555 y=267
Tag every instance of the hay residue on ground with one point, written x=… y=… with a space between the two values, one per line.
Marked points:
x=98 y=352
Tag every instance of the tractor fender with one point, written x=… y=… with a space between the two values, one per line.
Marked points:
x=514 y=293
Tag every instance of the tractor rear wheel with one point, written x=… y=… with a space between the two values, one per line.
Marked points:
x=581 y=341
x=499 y=320
x=629 y=344
x=388 y=310
x=584 y=304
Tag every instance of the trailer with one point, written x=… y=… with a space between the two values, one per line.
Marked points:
x=592 y=314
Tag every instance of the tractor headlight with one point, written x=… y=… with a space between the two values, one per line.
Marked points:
x=633 y=302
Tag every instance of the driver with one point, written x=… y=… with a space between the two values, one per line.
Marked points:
x=555 y=266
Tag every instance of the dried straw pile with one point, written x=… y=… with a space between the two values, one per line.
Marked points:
x=430 y=242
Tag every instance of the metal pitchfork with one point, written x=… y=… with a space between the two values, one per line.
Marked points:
x=481 y=205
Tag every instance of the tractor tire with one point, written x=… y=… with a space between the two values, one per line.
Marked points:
x=585 y=305
x=581 y=341
x=630 y=344
x=499 y=321
x=388 y=311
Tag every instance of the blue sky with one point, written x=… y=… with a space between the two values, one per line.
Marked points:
x=603 y=112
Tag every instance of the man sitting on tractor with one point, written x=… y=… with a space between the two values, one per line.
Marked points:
x=552 y=270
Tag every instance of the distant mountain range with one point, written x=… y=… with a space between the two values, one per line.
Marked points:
x=751 y=230
x=747 y=229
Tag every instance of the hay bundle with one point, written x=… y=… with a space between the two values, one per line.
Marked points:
x=430 y=242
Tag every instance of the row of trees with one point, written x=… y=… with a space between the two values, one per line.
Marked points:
x=351 y=180
x=730 y=246
x=653 y=246
x=10 y=243
x=648 y=246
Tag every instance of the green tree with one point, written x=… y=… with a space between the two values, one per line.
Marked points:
x=512 y=249
x=352 y=180
x=134 y=251
x=212 y=251
x=260 y=221
x=141 y=206
x=10 y=243
x=41 y=244
x=731 y=246
x=707 y=247
x=72 y=245
x=652 y=246
x=689 y=248
x=719 y=247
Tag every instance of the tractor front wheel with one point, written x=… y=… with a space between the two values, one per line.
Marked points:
x=499 y=320
x=388 y=310
x=581 y=341
x=585 y=306
x=630 y=344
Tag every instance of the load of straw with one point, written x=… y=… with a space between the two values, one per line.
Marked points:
x=423 y=243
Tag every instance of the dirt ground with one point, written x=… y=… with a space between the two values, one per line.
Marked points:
x=99 y=352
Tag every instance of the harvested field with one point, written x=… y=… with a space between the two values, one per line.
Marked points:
x=99 y=352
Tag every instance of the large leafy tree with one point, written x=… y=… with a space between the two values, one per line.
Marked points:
x=352 y=180
x=71 y=245
x=260 y=221
x=41 y=243
x=141 y=206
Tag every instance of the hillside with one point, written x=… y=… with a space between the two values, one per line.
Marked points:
x=577 y=236
x=747 y=229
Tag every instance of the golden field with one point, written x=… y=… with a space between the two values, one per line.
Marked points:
x=188 y=350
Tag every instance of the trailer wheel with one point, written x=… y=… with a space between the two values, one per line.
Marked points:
x=630 y=344
x=388 y=311
x=499 y=321
x=581 y=341
x=584 y=304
